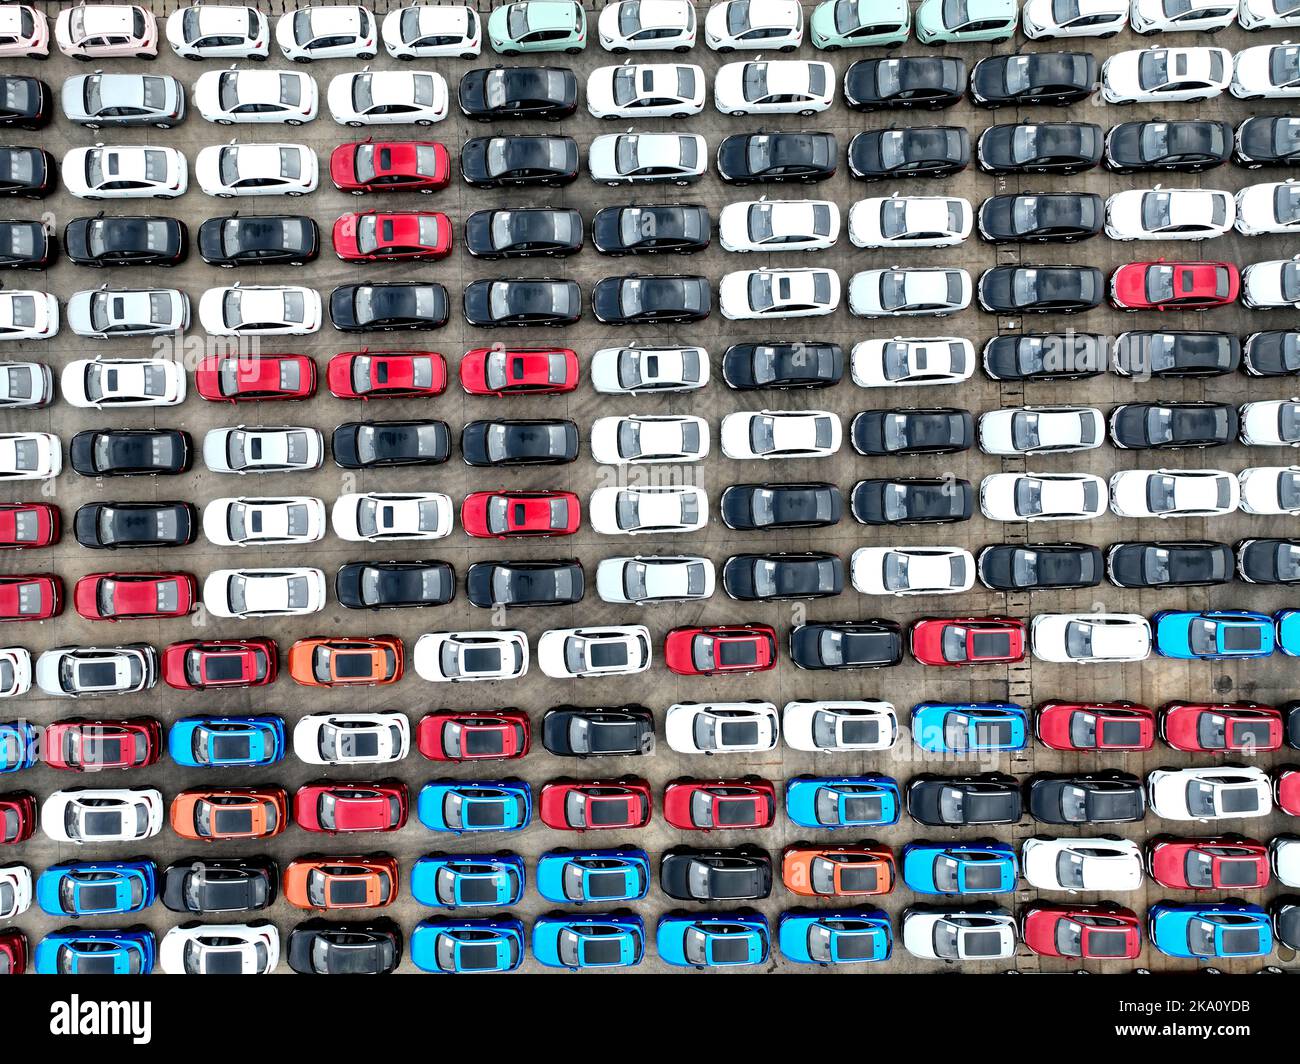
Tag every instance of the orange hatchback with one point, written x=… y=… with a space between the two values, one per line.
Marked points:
x=247 y=813
x=838 y=871
x=353 y=882
x=360 y=662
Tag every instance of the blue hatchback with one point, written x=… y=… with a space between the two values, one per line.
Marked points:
x=712 y=940
x=609 y=940
x=979 y=867
x=1213 y=635
x=1286 y=625
x=462 y=880
x=575 y=877
x=461 y=806
x=91 y=888
x=842 y=801
x=480 y=945
x=19 y=746
x=968 y=728
x=226 y=742
x=1206 y=931
x=849 y=936
x=80 y=951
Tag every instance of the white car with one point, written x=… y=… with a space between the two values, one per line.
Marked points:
x=1042 y=496
x=24 y=32
x=218 y=31
x=1269 y=207
x=260 y=310
x=967 y=933
x=1268 y=14
x=327 y=31
x=227 y=170
x=105 y=313
x=641 y=439
x=642 y=369
x=780 y=434
x=770 y=25
x=97 y=383
x=1045 y=19
x=262 y=449
x=30 y=456
x=388 y=97
x=770 y=293
x=910 y=221
x=124 y=171
x=1090 y=638
x=647 y=26
x=722 y=727
x=102 y=814
x=645 y=580
x=15 y=671
x=646 y=90
x=916 y=290
x=637 y=511
x=912 y=361
x=1181 y=16
x=1215 y=792
x=774 y=87
x=226 y=97
x=377 y=517
x=1081 y=864
x=89 y=31
x=1273 y=284
x=1267 y=72
x=28 y=315
x=611 y=650
x=912 y=570
x=779 y=225
x=425 y=31
x=15 y=891
x=220 y=949
x=25 y=384
x=641 y=158
x=352 y=738
x=1041 y=430
x=1270 y=423
x=1169 y=214
x=256 y=522
x=289 y=592
x=1284 y=856
x=77 y=672
x=463 y=657
x=839 y=727
x=1166 y=75
x=1173 y=493
x=1270 y=490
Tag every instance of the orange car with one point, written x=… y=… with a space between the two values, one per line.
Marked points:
x=246 y=813
x=838 y=871
x=349 y=662
x=356 y=882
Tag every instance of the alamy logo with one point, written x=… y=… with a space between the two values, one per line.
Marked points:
x=133 y=1019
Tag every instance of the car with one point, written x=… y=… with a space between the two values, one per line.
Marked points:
x=327 y=947
x=111 y=525
x=130 y=596
x=641 y=368
x=20 y=746
x=74 y=951
x=1031 y=218
x=1267 y=140
x=523 y=302
x=463 y=881
x=645 y=298
x=606 y=650
x=904 y=82
x=504 y=234
x=250 y=522
x=570 y=877
x=1175 y=354
x=1040 y=289
x=912 y=570
x=388 y=306
x=978 y=20
x=779 y=86
x=649 y=579
x=1186 y=563
x=262 y=449
x=227 y=97
x=984 y=866
x=377 y=236
x=1090 y=638
x=270 y=240
x=636 y=511
x=779 y=293
x=726 y=804
x=1213 y=634
x=98 y=815
x=635 y=26
x=1201 y=932
x=500 y=371
x=720 y=649
x=491 y=585
x=1173 y=214
x=507 y=514
x=570 y=805
x=1106 y=797
x=25 y=31
x=1165 y=75
x=1285 y=782
x=227 y=742
x=520 y=160
x=327 y=31
x=381 y=516
x=460 y=806
x=781 y=576
x=15 y=671
x=1234 y=727
x=759 y=507
x=536 y=93
x=260 y=310
x=1169 y=16
x=29 y=524
x=28 y=245
x=967 y=640
x=1272 y=284
x=773 y=434
x=382 y=444
x=388 y=97
x=1270 y=207
x=116 y=382
x=129 y=452
x=197 y=665
x=773 y=157
x=909 y=291
x=228 y=170
x=1056 y=78
x=939 y=801
x=80 y=672
x=912 y=431
x=1041 y=19
x=1267 y=561
x=912 y=151
x=538 y=26
x=88 y=888
x=909 y=222
x=26 y=103
x=1041 y=430
x=1063 y=148
x=836 y=645
x=106 y=31
x=860 y=870
x=519 y=442
x=120 y=100
x=425 y=31
x=18 y=816
x=735 y=24
x=971 y=728
x=245 y=813
x=461 y=657
x=119 y=241
x=480 y=735
x=650 y=229
x=334 y=807
x=1089 y=932
x=394 y=585
x=1074 y=864
x=1045 y=356
x=842 y=801
x=721 y=727
x=1189 y=146
x=1011 y=567
x=236 y=31
x=243 y=593
x=640 y=439
x=34 y=597
x=1166 y=493
x=568 y=731
x=1265 y=14
x=1221 y=862
x=646 y=90
x=777 y=225
x=966 y=934
x=614 y=940
x=363 y=661
x=390 y=166
x=740 y=874
x=1282 y=854
x=1215 y=792
x=368 y=881
x=718 y=940
x=220 y=949
x=477 y=945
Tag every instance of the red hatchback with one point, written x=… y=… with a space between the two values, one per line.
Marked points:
x=705 y=805
x=474 y=735
x=255 y=378
x=325 y=805
x=519 y=371
x=17 y=817
x=1095 y=726
x=1229 y=727
x=1286 y=789
x=405 y=236
x=386 y=374
x=32 y=597
x=1222 y=862
x=1162 y=285
x=720 y=649
x=197 y=664
x=506 y=514
x=14 y=952
x=968 y=640
x=1105 y=932
x=127 y=596
x=390 y=166
x=573 y=805
x=80 y=745
x=29 y=524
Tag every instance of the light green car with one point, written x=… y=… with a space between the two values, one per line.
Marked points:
x=941 y=21
x=837 y=24
x=538 y=26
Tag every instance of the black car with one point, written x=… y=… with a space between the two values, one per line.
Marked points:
x=1267 y=141
x=625 y=731
x=220 y=884
x=1275 y=353
x=130 y=452
x=937 y=430
x=549 y=583
x=520 y=441
x=905 y=82
x=110 y=525
x=509 y=234
x=1040 y=148
x=769 y=577
x=385 y=307
x=951 y=801
x=740 y=874
x=1047 y=218
x=26 y=245
x=912 y=500
x=1284 y=911
x=374 y=444
x=1040 y=289
x=807 y=156
x=269 y=240
x=1176 y=354
x=803 y=364
x=126 y=241
x=1189 y=146
x=1175 y=564
x=1064 y=356
x=389 y=585
x=1109 y=797
x=519 y=161
x=1039 y=566
x=914 y=151
x=1271 y=561
x=25 y=103
x=835 y=645
x=648 y=298
x=1167 y=426
x=1028 y=78
x=549 y=93
x=522 y=301
x=30 y=173
x=762 y=507
x=329 y=947
x=1291 y=714
x=651 y=229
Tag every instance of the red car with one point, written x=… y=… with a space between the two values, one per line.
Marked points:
x=399 y=236
x=505 y=514
x=1162 y=285
x=17 y=817
x=1095 y=726
x=390 y=166
x=720 y=649
x=14 y=953
x=325 y=805
x=473 y=735
x=579 y=805
x=968 y=640
x=197 y=664
x=255 y=378
x=1223 y=862
x=1088 y=932
x=31 y=597
x=29 y=524
x=80 y=745
x=386 y=374
x=1229 y=727
x=519 y=371
x=702 y=805
x=1286 y=789
x=127 y=596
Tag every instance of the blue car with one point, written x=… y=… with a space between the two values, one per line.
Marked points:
x=842 y=801
x=980 y=867
x=92 y=888
x=19 y=746
x=1213 y=635
x=972 y=727
x=609 y=940
x=226 y=742
x=573 y=877
x=459 y=806
x=713 y=940
x=1286 y=627
x=464 y=880
x=1205 y=931
x=81 y=951
x=850 y=936
x=480 y=945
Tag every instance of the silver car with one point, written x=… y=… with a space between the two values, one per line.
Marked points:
x=106 y=312
x=25 y=384
x=96 y=100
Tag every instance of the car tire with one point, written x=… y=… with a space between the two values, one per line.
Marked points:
x=293 y=121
